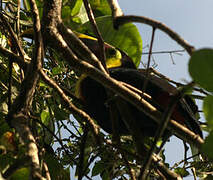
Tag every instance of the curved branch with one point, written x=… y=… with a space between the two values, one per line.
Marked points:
x=72 y=107
x=17 y=59
x=118 y=21
x=82 y=51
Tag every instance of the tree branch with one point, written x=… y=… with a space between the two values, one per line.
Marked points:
x=125 y=93
x=116 y=10
x=72 y=107
x=96 y=32
x=162 y=126
x=17 y=59
x=56 y=41
x=82 y=50
x=13 y=36
x=17 y=116
x=118 y=21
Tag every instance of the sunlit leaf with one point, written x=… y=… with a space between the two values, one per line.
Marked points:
x=127 y=38
x=45 y=117
x=100 y=7
x=57 y=70
x=76 y=6
x=74 y=14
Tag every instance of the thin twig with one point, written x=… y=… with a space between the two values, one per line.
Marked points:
x=164 y=121
x=10 y=66
x=114 y=107
x=156 y=161
x=182 y=161
x=82 y=153
x=97 y=33
x=56 y=137
x=13 y=36
x=82 y=50
x=66 y=127
x=165 y=52
x=178 y=83
x=17 y=117
x=72 y=108
x=185 y=153
x=149 y=60
x=17 y=59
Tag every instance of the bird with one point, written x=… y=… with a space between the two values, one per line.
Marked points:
x=98 y=100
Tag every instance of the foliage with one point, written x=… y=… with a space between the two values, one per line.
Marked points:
x=65 y=142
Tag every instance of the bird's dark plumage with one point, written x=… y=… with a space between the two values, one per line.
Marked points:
x=98 y=100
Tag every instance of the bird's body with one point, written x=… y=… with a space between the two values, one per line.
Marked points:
x=98 y=100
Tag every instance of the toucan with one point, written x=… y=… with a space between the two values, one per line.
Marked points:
x=97 y=99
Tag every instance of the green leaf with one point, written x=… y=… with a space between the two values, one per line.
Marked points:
x=42 y=84
x=5 y=159
x=57 y=70
x=100 y=7
x=75 y=6
x=71 y=9
x=21 y=174
x=83 y=15
x=74 y=13
x=127 y=38
x=66 y=12
x=26 y=4
x=208 y=110
x=208 y=145
x=60 y=114
x=201 y=68
x=56 y=169
x=182 y=172
x=105 y=175
x=98 y=168
x=45 y=117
